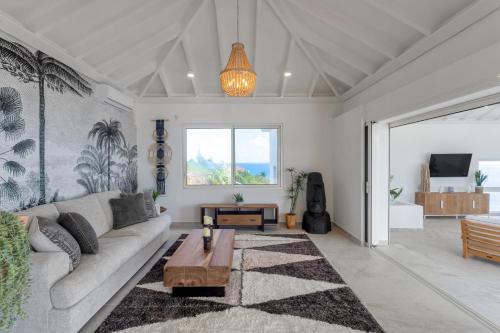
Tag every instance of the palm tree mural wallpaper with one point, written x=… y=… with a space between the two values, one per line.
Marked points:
x=81 y=140
x=38 y=67
x=12 y=126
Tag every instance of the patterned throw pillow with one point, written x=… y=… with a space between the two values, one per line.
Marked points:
x=81 y=230
x=56 y=238
x=128 y=210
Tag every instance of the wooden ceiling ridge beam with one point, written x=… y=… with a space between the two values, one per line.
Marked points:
x=345 y=26
x=171 y=51
x=396 y=14
x=186 y=47
x=313 y=84
x=468 y=16
x=286 y=67
x=90 y=43
x=65 y=17
x=154 y=41
x=300 y=44
x=256 y=64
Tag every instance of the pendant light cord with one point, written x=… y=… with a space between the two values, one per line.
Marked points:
x=238 y=20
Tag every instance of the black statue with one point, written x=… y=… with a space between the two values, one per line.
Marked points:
x=316 y=219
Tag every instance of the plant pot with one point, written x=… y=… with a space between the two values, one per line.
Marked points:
x=291 y=221
x=157 y=207
x=240 y=203
x=479 y=189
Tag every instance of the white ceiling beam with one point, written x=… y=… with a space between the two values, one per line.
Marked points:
x=339 y=73
x=286 y=67
x=349 y=58
x=297 y=39
x=186 y=99
x=256 y=64
x=138 y=74
x=156 y=40
x=359 y=33
x=218 y=17
x=313 y=84
x=47 y=24
x=109 y=32
x=390 y=8
x=178 y=40
x=41 y=11
x=14 y=28
x=462 y=20
x=164 y=80
x=189 y=61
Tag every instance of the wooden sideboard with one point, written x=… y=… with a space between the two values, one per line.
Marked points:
x=453 y=203
x=243 y=215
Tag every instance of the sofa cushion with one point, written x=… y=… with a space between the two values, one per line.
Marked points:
x=145 y=231
x=90 y=208
x=93 y=270
x=48 y=211
x=59 y=236
x=103 y=199
x=81 y=230
x=128 y=210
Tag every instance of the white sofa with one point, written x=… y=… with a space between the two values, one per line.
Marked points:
x=63 y=301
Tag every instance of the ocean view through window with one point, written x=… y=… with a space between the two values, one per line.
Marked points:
x=232 y=156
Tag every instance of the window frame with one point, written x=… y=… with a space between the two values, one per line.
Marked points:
x=489 y=189
x=233 y=127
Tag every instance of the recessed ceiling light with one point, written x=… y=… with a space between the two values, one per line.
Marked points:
x=190 y=74
x=287 y=74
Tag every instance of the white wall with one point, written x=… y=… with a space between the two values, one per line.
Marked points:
x=347 y=145
x=307 y=140
x=411 y=146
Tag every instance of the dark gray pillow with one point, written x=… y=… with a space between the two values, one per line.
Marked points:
x=62 y=238
x=81 y=230
x=128 y=210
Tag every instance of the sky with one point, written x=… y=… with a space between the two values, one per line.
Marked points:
x=252 y=145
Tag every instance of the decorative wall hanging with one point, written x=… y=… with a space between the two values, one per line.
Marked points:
x=160 y=154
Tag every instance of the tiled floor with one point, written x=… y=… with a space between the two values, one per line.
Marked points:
x=435 y=254
x=399 y=302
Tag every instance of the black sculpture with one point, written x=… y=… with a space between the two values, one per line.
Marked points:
x=316 y=219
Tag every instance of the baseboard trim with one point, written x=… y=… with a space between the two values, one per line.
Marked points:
x=464 y=308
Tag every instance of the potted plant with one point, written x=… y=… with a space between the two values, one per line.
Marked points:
x=155 y=195
x=238 y=199
x=480 y=178
x=14 y=270
x=296 y=186
x=394 y=192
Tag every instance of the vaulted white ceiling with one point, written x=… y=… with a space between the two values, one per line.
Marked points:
x=332 y=47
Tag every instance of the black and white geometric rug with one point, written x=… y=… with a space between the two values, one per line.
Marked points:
x=279 y=283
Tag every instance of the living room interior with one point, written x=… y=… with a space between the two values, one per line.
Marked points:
x=248 y=166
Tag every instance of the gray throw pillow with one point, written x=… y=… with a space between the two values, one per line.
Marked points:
x=60 y=237
x=150 y=204
x=81 y=230
x=128 y=210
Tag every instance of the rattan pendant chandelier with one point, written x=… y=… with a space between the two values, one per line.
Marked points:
x=238 y=78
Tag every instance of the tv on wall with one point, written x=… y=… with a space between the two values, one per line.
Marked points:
x=449 y=165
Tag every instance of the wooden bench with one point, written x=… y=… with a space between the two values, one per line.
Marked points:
x=481 y=240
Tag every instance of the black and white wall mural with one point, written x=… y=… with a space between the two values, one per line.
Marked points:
x=57 y=140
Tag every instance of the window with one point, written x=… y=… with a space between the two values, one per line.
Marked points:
x=492 y=183
x=232 y=156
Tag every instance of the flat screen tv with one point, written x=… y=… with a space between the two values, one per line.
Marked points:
x=449 y=165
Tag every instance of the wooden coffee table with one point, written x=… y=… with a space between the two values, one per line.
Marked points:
x=193 y=272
